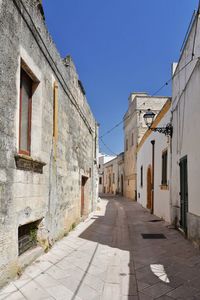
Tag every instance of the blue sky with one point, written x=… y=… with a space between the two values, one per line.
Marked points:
x=119 y=46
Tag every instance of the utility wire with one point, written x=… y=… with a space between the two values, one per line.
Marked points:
x=173 y=76
x=19 y=4
x=155 y=93
x=107 y=146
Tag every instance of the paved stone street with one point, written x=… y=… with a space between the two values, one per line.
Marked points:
x=106 y=257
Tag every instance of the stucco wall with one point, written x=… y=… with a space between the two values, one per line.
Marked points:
x=186 y=111
x=54 y=196
x=144 y=159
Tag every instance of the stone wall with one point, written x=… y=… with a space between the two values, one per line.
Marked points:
x=134 y=129
x=53 y=197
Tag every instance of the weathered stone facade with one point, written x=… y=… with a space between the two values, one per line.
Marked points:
x=113 y=175
x=134 y=129
x=103 y=158
x=47 y=186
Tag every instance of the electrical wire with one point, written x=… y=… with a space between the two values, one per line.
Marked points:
x=155 y=93
x=56 y=70
x=108 y=148
x=173 y=76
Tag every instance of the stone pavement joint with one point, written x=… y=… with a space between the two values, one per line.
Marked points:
x=105 y=257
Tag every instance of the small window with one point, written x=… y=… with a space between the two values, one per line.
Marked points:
x=99 y=166
x=27 y=236
x=164 y=168
x=100 y=180
x=26 y=87
x=141 y=176
x=128 y=181
x=126 y=144
x=113 y=177
x=132 y=139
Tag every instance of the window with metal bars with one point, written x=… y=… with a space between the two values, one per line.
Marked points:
x=27 y=236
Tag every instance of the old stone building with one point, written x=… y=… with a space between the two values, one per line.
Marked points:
x=113 y=175
x=134 y=129
x=48 y=139
x=103 y=158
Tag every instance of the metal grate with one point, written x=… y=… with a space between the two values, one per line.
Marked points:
x=27 y=236
x=153 y=236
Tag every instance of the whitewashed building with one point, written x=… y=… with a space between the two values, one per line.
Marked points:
x=186 y=136
x=153 y=168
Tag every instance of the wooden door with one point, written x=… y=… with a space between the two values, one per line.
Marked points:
x=149 y=189
x=183 y=193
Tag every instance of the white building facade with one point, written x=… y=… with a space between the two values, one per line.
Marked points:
x=186 y=136
x=153 y=174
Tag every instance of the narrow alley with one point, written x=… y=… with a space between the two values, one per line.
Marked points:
x=120 y=252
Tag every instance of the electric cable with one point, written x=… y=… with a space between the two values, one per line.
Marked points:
x=107 y=147
x=56 y=70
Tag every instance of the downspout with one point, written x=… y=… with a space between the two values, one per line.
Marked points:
x=152 y=186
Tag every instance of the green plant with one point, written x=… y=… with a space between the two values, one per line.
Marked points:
x=33 y=235
x=73 y=226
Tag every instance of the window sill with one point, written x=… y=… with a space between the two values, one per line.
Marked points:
x=27 y=163
x=164 y=187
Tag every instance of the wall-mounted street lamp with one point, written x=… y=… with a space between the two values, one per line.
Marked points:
x=149 y=118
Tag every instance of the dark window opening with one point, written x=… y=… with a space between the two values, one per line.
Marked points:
x=100 y=180
x=141 y=176
x=26 y=87
x=27 y=236
x=164 y=168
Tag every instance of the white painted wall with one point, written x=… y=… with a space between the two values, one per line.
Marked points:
x=186 y=116
x=144 y=158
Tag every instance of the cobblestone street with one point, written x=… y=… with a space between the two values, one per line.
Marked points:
x=106 y=257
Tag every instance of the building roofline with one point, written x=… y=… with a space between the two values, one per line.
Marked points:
x=186 y=40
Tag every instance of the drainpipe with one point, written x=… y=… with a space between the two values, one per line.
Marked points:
x=152 y=188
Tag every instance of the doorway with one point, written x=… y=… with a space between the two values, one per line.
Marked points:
x=83 y=182
x=149 y=188
x=183 y=193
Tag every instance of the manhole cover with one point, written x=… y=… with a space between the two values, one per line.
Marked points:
x=153 y=236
